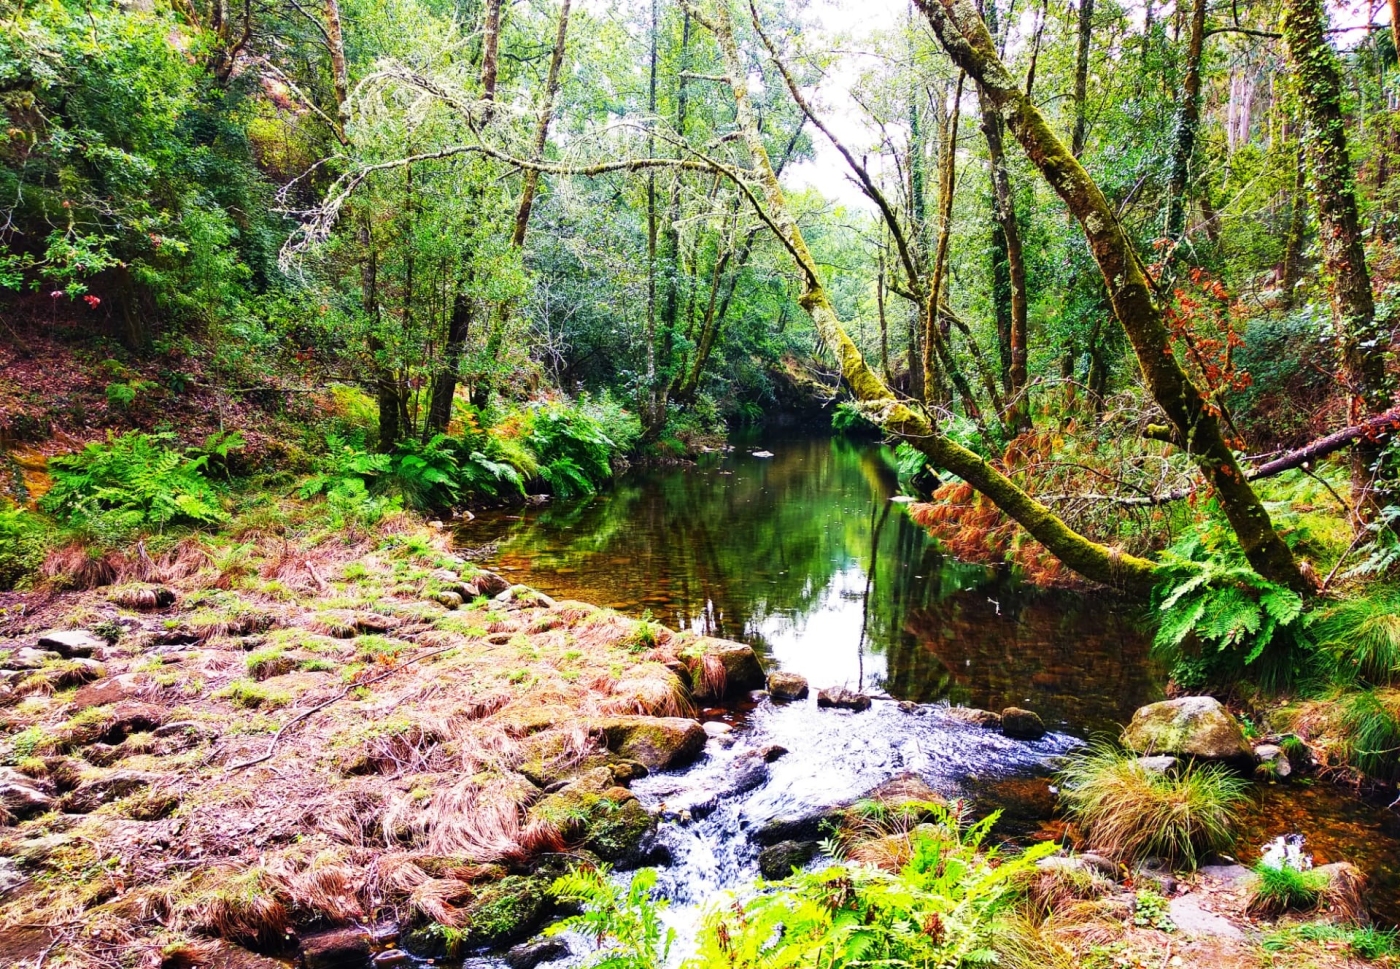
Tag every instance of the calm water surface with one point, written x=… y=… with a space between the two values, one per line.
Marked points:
x=804 y=556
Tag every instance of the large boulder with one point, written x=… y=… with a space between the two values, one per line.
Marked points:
x=1189 y=726
x=658 y=743
x=777 y=861
x=742 y=670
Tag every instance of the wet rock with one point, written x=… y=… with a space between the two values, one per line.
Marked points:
x=1271 y=762
x=1159 y=764
x=786 y=686
x=1190 y=726
x=347 y=948
x=1022 y=724
x=529 y=955
x=391 y=959
x=69 y=643
x=904 y=789
x=11 y=878
x=841 y=698
x=804 y=827
x=772 y=752
x=777 y=861
x=659 y=743
x=595 y=814
x=714 y=729
x=742 y=670
x=908 y=706
x=92 y=794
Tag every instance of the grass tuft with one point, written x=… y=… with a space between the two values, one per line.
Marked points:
x=1129 y=813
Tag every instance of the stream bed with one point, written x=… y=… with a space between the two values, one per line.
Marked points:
x=808 y=556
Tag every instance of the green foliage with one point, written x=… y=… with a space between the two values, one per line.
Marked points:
x=1283 y=888
x=1363 y=636
x=945 y=908
x=1150 y=911
x=1207 y=594
x=1130 y=812
x=1369 y=724
x=626 y=923
x=846 y=418
x=1367 y=942
x=573 y=452
x=130 y=483
x=21 y=545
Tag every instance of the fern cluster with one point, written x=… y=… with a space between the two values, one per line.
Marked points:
x=946 y=907
x=574 y=453
x=127 y=484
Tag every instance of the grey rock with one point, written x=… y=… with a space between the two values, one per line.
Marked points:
x=786 y=686
x=69 y=643
x=1271 y=761
x=1189 y=726
x=1160 y=764
x=451 y=600
x=28 y=658
x=1022 y=724
x=777 y=861
x=92 y=794
x=21 y=797
x=528 y=955
x=840 y=698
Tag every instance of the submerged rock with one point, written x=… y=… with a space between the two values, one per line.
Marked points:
x=840 y=698
x=658 y=743
x=777 y=861
x=1022 y=724
x=786 y=686
x=976 y=717
x=1190 y=726
x=347 y=948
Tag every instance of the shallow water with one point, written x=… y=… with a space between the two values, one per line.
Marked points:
x=805 y=557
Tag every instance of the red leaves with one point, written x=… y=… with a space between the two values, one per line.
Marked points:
x=1200 y=319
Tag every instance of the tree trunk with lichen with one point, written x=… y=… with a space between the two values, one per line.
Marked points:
x=1195 y=421
x=1363 y=344
x=878 y=402
x=1188 y=119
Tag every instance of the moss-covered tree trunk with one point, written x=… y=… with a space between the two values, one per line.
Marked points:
x=1194 y=419
x=1363 y=344
x=1097 y=562
x=1188 y=120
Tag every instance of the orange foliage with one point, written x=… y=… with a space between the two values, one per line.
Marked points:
x=973 y=529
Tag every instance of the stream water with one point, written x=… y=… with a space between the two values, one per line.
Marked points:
x=804 y=556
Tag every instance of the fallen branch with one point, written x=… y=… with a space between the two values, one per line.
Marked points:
x=277 y=737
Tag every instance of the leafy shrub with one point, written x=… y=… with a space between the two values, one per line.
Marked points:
x=1275 y=890
x=129 y=483
x=1130 y=812
x=846 y=418
x=627 y=921
x=1208 y=592
x=21 y=545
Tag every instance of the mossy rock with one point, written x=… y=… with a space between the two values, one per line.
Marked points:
x=595 y=814
x=658 y=743
x=507 y=911
x=1189 y=726
x=742 y=669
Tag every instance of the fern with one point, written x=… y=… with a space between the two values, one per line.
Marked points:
x=344 y=461
x=626 y=924
x=129 y=483
x=575 y=454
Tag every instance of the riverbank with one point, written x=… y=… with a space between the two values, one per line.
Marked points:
x=366 y=742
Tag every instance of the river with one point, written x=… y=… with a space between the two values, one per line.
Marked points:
x=795 y=546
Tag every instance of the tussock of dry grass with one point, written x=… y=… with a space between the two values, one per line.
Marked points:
x=650 y=689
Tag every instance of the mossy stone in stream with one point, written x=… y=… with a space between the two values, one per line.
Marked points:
x=595 y=814
x=1189 y=726
x=659 y=743
x=777 y=861
x=506 y=911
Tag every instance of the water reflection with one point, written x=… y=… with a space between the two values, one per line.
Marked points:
x=804 y=556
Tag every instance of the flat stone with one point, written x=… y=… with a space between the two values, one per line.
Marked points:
x=658 y=743
x=1194 y=920
x=90 y=795
x=69 y=643
x=347 y=948
x=29 y=658
x=786 y=686
x=840 y=698
x=531 y=954
x=1022 y=724
x=1189 y=726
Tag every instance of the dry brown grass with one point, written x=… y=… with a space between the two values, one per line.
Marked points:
x=652 y=690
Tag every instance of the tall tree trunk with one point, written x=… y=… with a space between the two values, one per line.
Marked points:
x=1090 y=559
x=445 y=381
x=531 y=177
x=884 y=322
x=918 y=218
x=1363 y=344
x=651 y=419
x=1194 y=420
x=1188 y=120
x=490 y=47
x=1292 y=272
x=1081 y=78
x=947 y=186
x=340 y=74
x=1006 y=244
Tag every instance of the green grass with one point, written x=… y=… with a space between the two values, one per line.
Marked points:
x=1273 y=891
x=1367 y=942
x=250 y=695
x=1363 y=637
x=1131 y=813
x=1369 y=722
